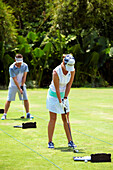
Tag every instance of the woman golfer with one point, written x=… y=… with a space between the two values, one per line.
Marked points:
x=57 y=98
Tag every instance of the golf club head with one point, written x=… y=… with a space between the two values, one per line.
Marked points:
x=74 y=150
x=22 y=117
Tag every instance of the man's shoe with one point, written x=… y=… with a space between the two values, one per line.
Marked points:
x=29 y=116
x=71 y=144
x=3 y=117
x=50 y=145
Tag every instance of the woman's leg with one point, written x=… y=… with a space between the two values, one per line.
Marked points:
x=51 y=125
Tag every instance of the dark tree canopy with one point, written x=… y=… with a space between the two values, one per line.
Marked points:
x=45 y=29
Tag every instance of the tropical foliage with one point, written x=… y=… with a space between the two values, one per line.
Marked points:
x=43 y=30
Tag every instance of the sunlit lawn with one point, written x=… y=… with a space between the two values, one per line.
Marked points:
x=91 y=120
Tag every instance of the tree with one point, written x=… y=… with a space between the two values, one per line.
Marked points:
x=7 y=40
x=7 y=24
x=29 y=14
x=71 y=17
x=89 y=21
x=81 y=27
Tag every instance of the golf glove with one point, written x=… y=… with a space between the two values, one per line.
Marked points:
x=63 y=105
x=65 y=102
x=22 y=88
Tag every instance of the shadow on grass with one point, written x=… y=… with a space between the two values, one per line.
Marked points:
x=67 y=149
x=19 y=119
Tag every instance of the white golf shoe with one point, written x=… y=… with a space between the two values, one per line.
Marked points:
x=3 y=117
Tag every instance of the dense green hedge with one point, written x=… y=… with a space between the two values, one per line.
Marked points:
x=43 y=30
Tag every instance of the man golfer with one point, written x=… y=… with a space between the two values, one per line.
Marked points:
x=18 y=72
x=57 y=98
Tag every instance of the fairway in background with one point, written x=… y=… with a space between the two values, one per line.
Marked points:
x=91 y=117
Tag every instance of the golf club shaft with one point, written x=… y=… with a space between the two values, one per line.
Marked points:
x=23 y=105
x=68 y=125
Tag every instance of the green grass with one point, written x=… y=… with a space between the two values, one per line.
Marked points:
x=91 y=120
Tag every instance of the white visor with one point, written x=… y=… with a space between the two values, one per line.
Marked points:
x=19 y=60
x=70 y=65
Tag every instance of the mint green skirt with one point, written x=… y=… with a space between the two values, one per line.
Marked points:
x=52 y=102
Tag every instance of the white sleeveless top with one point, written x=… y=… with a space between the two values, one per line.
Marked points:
x=63 y=79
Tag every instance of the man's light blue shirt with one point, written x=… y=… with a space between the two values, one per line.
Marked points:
x=14 y=71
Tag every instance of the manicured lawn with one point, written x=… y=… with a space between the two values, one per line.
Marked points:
x=91 y=120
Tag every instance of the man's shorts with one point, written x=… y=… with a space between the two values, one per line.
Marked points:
x=12 y=93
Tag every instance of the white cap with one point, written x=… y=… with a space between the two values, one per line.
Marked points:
x=69 y=62
x=19 y=60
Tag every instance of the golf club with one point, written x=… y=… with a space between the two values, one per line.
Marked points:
x=74 y=150
x=22 y=117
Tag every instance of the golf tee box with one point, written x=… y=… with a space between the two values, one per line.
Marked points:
x=26 y=125
x=98 y=157
x=83 y=158
x=1 y=110
x=101 y=157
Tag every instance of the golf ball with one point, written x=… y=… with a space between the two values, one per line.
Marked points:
x=77 y=151
x=86 y=161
